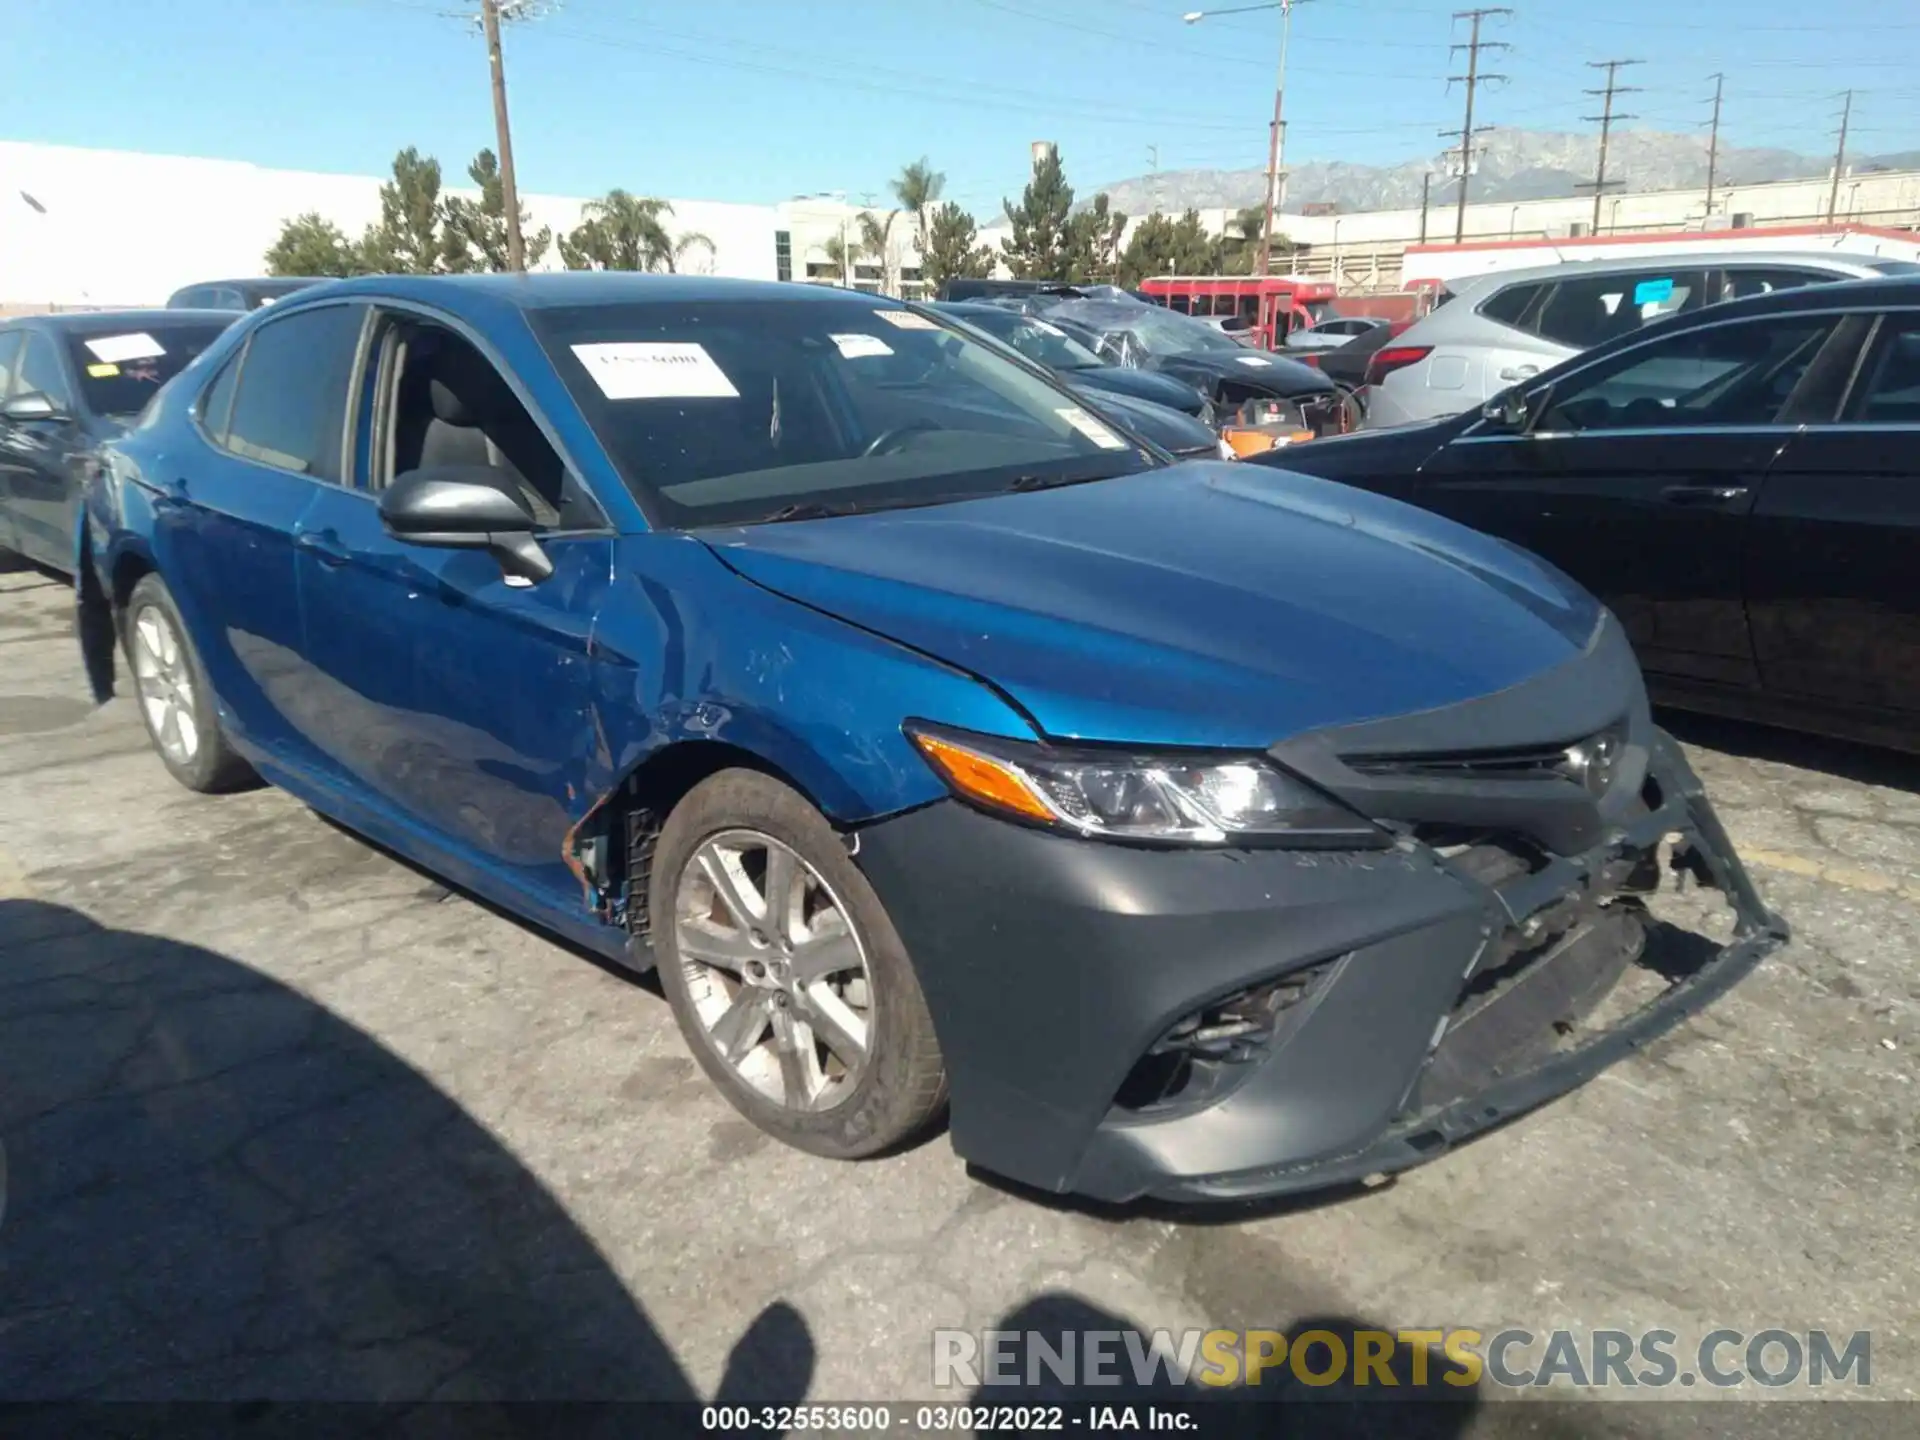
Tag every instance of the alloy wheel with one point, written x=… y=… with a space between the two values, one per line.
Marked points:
x=776 y=972
x=166 y=684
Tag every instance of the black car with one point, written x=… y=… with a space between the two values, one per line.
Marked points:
x=1346 y=365
x=1740 y=483
x=1152 y=338
x=68 y=383
x=1045 y=343
x=239 y=294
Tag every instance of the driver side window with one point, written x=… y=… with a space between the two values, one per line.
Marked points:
x=1725 y=375
x=441 y=402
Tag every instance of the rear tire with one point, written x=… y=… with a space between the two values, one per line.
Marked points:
x=786 y=976
x=176 y=702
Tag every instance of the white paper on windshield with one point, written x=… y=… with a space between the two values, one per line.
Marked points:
x=1259 y=360
x=655 y=370
x=858 y=347
x=906 y=320
x=1091 y=428
x=117 y=349
x=1049 y=329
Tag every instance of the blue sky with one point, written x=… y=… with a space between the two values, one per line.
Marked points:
x=753 y=100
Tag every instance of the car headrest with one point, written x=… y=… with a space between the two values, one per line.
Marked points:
x=465 y=390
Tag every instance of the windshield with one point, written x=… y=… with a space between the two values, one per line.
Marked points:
x=1034 y=338
x=736 y=411
x=1149 y=329
x=123 y=368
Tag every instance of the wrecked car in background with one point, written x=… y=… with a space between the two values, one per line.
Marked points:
x=1184 y=833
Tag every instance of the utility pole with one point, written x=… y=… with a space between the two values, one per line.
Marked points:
x=1277 y=142
x=1153 y=179
x=1713 y=143
x=509 y=191
x=1600 y=184
x=1426 y=184
x=1474 y=78
x=1839 y=158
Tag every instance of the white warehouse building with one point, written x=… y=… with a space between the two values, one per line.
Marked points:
x=94 y=228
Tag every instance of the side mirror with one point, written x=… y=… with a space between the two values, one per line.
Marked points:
x=30 y=407
x=1508 y=411
x=465 y=507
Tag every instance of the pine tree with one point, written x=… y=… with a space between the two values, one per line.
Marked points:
x=410 y=237
x=952 y=251
x=311 y=244
x=476 y=230
x=1041 y=246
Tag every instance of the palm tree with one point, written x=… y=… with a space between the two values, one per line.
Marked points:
x=1240 y=241
x=841 y=254
x=676 y=257
x=619 y=231
x=918 y=189
x=876 y=239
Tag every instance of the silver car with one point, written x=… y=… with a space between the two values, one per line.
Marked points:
x=1332 y=333
x=1492 y=331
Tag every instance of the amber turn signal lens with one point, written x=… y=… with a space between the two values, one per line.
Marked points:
x=982 y=778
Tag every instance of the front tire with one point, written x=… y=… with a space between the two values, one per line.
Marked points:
x=786 y=976
x=176 y=702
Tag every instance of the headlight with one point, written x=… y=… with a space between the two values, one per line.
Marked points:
x=1192 y=799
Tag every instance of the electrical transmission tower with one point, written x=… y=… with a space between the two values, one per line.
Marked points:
x=1606 y=118
x=1473 y=79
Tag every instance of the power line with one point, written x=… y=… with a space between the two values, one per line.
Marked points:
x=1600 y=184
x=1473 y=79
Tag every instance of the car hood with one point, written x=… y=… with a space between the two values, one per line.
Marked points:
x=1199 y=604
x=1258 y=370
x=1172 y=430
x=1138 y=384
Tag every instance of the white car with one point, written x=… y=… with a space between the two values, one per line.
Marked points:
x=1332 y=333
x=1493 y=331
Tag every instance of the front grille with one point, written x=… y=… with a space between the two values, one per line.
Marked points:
x=1589 y=762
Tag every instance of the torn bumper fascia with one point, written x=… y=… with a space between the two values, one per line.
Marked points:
x=1052 y=965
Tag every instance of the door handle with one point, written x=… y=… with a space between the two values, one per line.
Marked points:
x=1519 y=372
x=323 y=545
x=1702 y=494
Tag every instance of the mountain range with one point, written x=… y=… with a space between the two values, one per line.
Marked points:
x=1513 y=165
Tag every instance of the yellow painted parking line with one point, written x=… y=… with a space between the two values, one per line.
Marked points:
x=1847 y=877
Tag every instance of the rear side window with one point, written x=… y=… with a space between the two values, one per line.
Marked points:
x=216 y=404
x=290 y=408
x=1510 y=304
x=1594 y=309
x=1889 y=390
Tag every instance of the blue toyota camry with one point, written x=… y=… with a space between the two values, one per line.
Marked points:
x=1179 y=829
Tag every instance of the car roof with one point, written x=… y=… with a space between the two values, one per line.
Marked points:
x=546 y=290
x=68 y=320
x=1702 y=255
x=261 y=280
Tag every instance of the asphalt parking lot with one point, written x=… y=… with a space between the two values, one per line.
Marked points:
x=284 y=1117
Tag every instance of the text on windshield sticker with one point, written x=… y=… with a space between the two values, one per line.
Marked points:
x=655 y=370
x=858 y=347
x=1091 y=428
x=115 y=349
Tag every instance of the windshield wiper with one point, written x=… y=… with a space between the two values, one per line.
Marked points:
x=807 y=510
x=1052 y=482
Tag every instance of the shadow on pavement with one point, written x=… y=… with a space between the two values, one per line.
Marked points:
x=1863 y=764
x=216 y=1190
x=1279 y=1405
